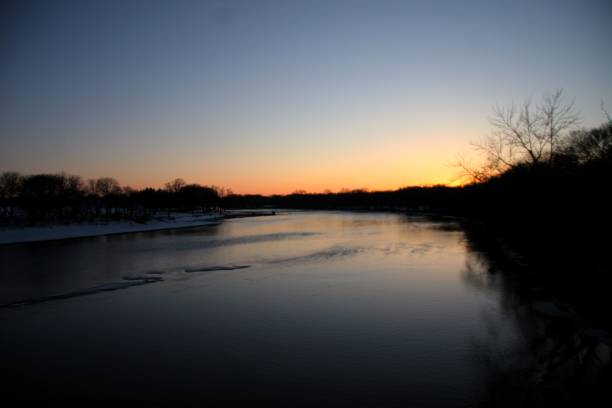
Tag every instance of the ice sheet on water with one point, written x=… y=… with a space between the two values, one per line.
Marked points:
x=252 y=239
x=127 y=282
x=216 y=268
x=324 y=254
x=149 y=279
x=341 y=251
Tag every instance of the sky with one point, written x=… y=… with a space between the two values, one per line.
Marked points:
x=275 y=96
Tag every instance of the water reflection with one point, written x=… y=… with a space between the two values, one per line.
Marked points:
x=542 y=353
x=354 y=309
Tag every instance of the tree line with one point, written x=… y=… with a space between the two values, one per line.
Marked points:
x=537 y=165
x=57 y=198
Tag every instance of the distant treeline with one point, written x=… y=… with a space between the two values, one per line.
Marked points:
x=576 y=180
x=57 y=198
x=544 y=194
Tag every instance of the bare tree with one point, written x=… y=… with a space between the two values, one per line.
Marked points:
x=175 y=185
x=473 y=174
x=558 y=119
x=73 y=185
x=529 y=134
x=221 y=191
x=592 y=145
x=106 y=186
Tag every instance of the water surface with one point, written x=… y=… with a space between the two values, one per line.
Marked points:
x=321 y=308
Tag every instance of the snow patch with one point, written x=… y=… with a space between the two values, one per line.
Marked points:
x=34 y=234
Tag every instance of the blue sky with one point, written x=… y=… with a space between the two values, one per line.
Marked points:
x=265 y=96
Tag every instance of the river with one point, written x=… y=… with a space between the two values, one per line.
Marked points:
x=313 y=308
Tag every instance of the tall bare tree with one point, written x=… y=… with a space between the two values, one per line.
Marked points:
x=529 y=134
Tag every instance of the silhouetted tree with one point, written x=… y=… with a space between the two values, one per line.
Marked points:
x=42 y=195
x=90 y=186
x=107 y=185
x=64 y=197
x=175 y=185
x=10 y=182
x=222 y=191
x=10 y=185
x=529 y=134
x=73 y=186
x=590 y=145
x=193 y=196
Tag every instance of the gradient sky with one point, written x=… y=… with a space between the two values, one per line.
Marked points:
x=271 y=97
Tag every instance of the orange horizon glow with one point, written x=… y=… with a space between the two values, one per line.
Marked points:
x=282 y=190
x=390 y=163
x=387 y=162
x=317 y=183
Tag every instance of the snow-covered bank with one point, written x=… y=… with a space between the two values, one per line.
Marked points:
x=48 y=233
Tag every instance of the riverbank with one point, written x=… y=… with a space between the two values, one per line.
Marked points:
x=70 y=231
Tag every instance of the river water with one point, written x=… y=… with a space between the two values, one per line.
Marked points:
x=313 y=308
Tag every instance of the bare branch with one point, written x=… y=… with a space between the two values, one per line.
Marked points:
x=528 y=134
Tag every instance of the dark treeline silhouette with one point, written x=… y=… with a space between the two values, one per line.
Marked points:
x=56 y=198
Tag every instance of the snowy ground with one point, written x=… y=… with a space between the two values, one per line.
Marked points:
x=33 y=234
